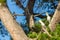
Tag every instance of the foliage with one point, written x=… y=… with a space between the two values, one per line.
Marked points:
x=2 y=1
x=43 y=36
x=32 y=34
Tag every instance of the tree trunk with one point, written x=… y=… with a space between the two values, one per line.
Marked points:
x=31 y=19
x=28 y=11
x=55 y=18
x=12 y=26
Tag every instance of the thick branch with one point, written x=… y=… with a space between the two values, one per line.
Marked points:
x=31 y=5
x=29 y=17
x=12 y=26
x=55 y=18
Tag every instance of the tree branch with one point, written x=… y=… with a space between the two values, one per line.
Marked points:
x=29 y=17
x=18 y=15
x=12 y=26
x=55 y=18
x=44 y=28
x=31 y=5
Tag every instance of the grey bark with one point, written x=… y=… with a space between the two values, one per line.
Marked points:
x=55 y=18
x=12 y=26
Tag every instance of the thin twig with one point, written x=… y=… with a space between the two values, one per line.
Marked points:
x=18 y=14
x=44 y=28
x=46 y=32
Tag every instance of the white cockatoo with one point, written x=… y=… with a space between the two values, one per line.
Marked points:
x=48 y=17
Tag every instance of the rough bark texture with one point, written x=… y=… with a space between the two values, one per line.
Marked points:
x=12 y=26
x=55 y=18
x=30 y=7
x=31 y=22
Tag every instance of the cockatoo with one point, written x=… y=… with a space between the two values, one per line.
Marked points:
x=48 y=17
